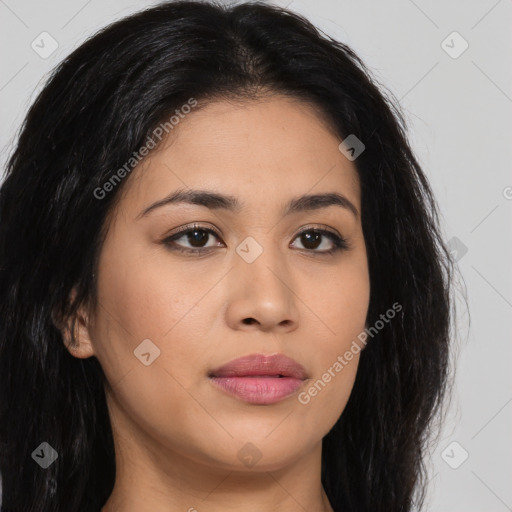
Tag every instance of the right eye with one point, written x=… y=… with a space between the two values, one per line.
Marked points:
x=195 y=235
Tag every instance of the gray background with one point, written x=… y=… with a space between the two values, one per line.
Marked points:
x=459 y=111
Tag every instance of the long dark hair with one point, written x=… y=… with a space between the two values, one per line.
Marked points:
x=99 y=106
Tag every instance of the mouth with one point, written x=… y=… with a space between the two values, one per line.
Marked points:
x=260 y=379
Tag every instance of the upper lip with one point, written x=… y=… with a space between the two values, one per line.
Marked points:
x=261 y=365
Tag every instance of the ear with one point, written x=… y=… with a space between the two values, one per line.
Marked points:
x=76 y=332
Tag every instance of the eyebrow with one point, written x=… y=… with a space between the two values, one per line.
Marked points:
x=216 y=201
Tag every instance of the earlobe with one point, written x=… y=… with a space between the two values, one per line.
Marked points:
x=77 y=338
x=75 y=332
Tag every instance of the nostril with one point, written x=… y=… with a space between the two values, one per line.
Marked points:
x=249 y=321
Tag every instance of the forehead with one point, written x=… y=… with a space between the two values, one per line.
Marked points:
x=263 y=151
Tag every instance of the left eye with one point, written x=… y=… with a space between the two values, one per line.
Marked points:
x=313 y=236
x=311 y=240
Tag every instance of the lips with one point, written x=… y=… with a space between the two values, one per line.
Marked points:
x=260 y=379
x=258 y=365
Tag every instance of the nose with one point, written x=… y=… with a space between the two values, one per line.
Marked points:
x=261 y=295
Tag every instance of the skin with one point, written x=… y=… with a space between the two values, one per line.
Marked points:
x=177 y=436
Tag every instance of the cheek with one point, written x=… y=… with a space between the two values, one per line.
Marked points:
x=341 y=305
x=140 y=302
x=342 y=309
x=144 y=307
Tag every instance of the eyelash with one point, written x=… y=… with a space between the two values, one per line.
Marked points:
x=339 y=243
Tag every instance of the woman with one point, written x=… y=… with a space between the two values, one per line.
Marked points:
x=223 y=283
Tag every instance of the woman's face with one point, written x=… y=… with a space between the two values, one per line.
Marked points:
x=168 y=318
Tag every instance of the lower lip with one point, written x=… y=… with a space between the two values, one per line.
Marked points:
x=259 y=390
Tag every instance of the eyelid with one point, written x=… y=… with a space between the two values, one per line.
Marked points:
x=169 y=238
x=191 y=227
x=339 y=242
x=318 y=227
